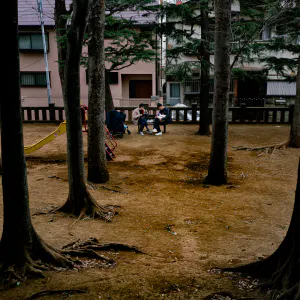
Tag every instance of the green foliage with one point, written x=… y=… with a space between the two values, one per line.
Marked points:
x=182 y=23
x=286 y=26
x=127 y=45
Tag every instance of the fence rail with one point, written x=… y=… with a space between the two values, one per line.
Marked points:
x=190 y=115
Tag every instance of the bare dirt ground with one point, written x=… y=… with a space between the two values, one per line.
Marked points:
x=159 y=177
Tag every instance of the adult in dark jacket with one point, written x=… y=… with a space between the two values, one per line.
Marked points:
x=114 y=121
x=162 y=118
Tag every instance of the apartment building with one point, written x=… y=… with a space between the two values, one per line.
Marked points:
x=129 y=86
x=258 y=88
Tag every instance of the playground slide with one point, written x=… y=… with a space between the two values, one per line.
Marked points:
x=34 y=147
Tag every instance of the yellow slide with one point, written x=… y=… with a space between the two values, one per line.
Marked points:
x=34 y=147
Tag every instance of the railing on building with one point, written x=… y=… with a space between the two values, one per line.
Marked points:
x=182 y=115
x=191 y=87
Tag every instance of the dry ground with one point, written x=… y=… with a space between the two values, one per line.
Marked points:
x=215 y=226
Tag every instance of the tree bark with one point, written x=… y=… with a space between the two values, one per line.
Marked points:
x=80 y=201
x=97 y=164
x=217 y=172
x=60 y=13
x=205 y=67
x=295 y=126
x=109 y=103
x=21 y=249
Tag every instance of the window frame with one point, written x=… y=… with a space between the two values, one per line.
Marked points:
x=35 y=73
x=30 y=33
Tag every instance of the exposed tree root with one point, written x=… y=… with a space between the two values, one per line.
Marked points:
x=31 y=261
x=55 y=292
x=86 y=205
x=94 y=244
x=267 y=148
x=88 y=253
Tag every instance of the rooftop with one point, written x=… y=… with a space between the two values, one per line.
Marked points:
x=29 y=16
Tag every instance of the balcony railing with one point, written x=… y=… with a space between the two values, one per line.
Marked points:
x=191 y=87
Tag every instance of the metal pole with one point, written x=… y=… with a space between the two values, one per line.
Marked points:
x=40 y=10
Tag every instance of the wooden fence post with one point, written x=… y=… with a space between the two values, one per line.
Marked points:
x=243 y=112
x=194 y=113
x=52 y=111
x=291 y=113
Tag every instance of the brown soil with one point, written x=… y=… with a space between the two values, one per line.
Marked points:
x=185 y=228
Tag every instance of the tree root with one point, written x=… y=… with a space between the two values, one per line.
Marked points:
x=55 y=292
x=267 y=148
x=93 y=244
x=86 y=205
x=31 y=261
x=292 y=293
x=89 y=253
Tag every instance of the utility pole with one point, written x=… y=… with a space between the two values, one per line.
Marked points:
x=40 y=10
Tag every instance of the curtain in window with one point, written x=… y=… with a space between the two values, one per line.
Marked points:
x=37 y=41
x=40 y=79
x=27 y=79
x=24 y=42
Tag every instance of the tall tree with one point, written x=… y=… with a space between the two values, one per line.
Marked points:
x=285 y=26
x=280 y=18
x=97 y=165
x=22 y=252
x=295 y=126
x=61 y=16
x=188 y=28
x=205 y=67
x=217 y=171
x=126 y=45
x=80 y=201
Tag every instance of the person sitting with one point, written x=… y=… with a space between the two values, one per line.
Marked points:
x=124 y=120
x=162 y=118
x=115 y=123
x=139 y=118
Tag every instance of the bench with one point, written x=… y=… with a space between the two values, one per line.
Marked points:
x=164 y=131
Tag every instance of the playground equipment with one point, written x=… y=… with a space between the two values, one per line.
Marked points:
x=84 y=117
x=110 y=143
x=49 y=138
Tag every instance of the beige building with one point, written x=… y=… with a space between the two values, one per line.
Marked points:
x=129 y=86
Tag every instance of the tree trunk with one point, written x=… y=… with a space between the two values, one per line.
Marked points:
x=295 y=127
x=22 y=252
x=79 y=201
x=60 y=13
x=217 y=172
x=205 y=67
x=109 y=103
x=281 y=268
x=97 y=164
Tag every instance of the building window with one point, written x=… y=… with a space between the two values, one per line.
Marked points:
x=111 y=77
x=33 y=79
x=140 y=88
x=32 y=42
